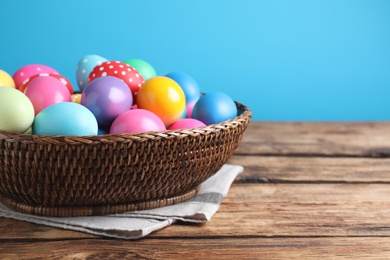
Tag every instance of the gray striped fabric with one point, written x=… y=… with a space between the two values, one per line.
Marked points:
x=137 y=224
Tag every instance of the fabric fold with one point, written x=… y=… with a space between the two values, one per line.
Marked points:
x=136 y=224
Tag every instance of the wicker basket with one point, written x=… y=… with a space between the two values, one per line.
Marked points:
x=106 y=174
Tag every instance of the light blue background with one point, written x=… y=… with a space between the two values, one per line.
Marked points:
x=286 y=59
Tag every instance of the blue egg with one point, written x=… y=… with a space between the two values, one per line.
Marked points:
x=65 y=118
x=84 y=67
x=185 y=114
x=102 y=131
x=187 y=83
x=214 y=108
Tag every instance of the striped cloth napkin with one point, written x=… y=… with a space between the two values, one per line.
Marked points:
x=136 y=224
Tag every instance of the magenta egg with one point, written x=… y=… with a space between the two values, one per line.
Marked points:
x=63 y=79
x=137 y=120
x=46 y=91
x=107 y=97
x=186 y=123
x=27 y=71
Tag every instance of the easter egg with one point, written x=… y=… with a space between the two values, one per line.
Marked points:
x=28 y=131
x=16 y=110
x=30 y=70
x=164 y=97
x=6 y=80
x=186 y=123
x=102 y=131
x=188 y=84
x=65 y=118
x=214 y=107
x=120 y=70
x=63 y=80
x=107 y=97
x=46 y=91
x=85 y=66
x=184 y=115
x=190 y=107
x=137 y=120
x=143 y=67
x=76 y=98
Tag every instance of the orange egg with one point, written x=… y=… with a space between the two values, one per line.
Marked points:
x=162 y=96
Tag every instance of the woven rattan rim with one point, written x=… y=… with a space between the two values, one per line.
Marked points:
x=95 y=210
x=244 y=115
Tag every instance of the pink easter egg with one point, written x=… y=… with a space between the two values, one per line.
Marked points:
x=63 y=79
x=46 y=91
x=137 y=120
x=190 y=107
x=27 y=71
x=186 y=123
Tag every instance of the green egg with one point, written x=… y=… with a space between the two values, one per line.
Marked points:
x=16 y=111
x=144 y=68
x=28 y=131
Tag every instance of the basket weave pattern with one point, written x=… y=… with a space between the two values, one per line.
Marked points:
x=41 y=173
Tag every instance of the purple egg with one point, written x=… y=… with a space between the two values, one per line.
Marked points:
x=107 y=97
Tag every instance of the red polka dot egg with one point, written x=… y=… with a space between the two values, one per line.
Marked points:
x=121 y=70
x=63 y=80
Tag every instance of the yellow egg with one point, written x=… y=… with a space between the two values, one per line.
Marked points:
x=16 y=111
x=6 y=80
x=76 y=98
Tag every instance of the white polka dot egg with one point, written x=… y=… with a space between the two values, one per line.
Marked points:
x=120 y=70
x=85 y=66
x=30 y=70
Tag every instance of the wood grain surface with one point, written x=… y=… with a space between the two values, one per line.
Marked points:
x=313 y=139
x=309 y=191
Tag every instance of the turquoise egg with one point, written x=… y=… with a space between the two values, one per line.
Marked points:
x=84 y=67
x=67 y=119
x=144 y=68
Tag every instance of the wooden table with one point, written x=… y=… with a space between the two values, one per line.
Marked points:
x=309 y=190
